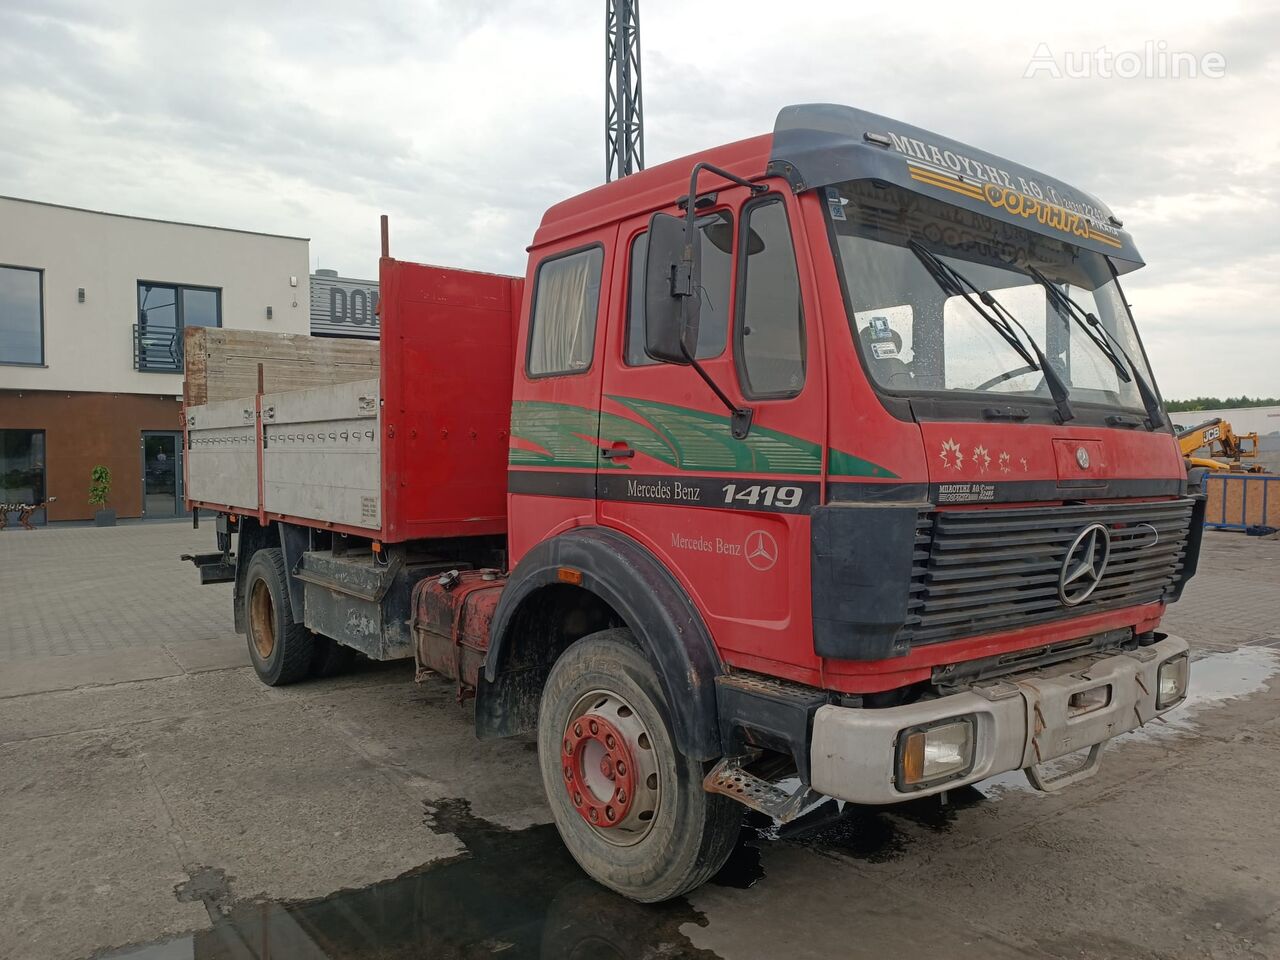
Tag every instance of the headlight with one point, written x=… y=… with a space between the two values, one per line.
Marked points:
x=933 y=753
x=1171 y=682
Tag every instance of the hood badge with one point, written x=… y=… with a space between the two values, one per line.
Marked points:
x=1082 y=458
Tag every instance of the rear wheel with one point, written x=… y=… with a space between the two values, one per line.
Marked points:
x=282 y=650
x=630 y=808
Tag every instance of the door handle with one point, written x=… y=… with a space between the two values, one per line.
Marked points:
x=619 y=451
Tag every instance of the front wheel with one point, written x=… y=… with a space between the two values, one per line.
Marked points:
x=629 y=806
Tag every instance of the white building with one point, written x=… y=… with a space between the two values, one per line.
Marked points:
x=92 y=309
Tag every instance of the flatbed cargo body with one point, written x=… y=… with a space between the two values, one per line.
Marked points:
x=417 y=450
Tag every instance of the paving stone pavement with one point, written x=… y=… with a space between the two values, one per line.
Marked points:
x=90 y=590
x=1234 y=599
x=87 y=590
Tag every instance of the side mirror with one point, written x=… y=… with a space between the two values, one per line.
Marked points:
x=671 y=302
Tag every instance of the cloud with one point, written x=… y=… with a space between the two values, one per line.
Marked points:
x=465 y=120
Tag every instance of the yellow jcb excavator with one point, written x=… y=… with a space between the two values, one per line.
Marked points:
x=1223 y=443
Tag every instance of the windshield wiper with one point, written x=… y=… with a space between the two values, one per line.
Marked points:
x=1106 y=342
x=954 y=283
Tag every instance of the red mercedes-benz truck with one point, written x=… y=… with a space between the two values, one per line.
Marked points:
x=827 y=462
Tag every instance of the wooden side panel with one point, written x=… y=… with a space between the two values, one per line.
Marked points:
x=223 y=364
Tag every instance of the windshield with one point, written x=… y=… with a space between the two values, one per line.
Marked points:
x=917 y=337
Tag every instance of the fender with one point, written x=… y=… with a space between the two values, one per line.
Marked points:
x=250 y=538
x=647 y=597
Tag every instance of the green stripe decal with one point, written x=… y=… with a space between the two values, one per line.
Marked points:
x=841 y=464
x=682 y=438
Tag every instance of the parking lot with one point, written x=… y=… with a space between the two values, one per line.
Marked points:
x=157 y=801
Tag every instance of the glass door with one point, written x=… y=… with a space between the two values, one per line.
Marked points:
x=161 y=475
x=22 y=479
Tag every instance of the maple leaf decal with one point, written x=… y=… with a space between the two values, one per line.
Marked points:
x=951 y=455
x=1003 y=461
x=982 y=458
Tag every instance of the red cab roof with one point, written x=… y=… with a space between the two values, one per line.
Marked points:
x=650 y=189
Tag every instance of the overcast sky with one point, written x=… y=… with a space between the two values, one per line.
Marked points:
x=464 y=120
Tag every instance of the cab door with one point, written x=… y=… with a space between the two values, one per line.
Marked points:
x=556 y=392
x=728 y=517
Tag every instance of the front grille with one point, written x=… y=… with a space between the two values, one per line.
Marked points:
x=979 y=571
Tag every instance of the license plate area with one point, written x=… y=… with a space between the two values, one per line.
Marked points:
x=1084 y=702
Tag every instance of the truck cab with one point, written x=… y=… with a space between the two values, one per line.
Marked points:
x=835 y=467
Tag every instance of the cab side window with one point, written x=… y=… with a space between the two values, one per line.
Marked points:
x=715 y=233
x=770 y=331
x=566 y=298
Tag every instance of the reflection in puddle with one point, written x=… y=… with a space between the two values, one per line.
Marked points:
x=874 y=834
x=515 y=893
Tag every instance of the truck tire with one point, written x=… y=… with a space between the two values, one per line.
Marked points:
x=281 y=649
x=630 y=808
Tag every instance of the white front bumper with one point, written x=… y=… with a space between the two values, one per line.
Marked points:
x=1021 y=720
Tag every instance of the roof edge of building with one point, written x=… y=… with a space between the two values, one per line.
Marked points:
x=174 y=223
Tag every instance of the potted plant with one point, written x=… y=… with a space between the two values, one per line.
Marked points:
x=99 y=490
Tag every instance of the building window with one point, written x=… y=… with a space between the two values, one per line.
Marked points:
x=21 y=315
x=566 y=294
x=164 y=311
x=22 y=471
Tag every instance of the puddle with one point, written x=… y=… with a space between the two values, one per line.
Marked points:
x=1215 y=679
x=514 y=893
x=517 y=893
x=873 y=834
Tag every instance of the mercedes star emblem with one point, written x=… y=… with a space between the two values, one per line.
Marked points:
x=1084 y=564
x=1082 y=458
x=761 y=550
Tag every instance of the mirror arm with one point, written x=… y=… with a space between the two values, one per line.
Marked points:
x=739 y=417
x=682 y=278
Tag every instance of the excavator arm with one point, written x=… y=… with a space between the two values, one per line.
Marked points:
x=1223 y=443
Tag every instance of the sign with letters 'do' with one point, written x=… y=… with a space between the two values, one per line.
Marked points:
x=342 y=307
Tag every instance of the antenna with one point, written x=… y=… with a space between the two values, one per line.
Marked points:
x=623 y=102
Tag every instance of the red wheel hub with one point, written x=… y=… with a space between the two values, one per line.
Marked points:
x=598 y=772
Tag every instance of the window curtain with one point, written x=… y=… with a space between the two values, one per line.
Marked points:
x=564 y=316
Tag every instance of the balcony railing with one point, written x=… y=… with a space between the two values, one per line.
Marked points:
x=157 y=349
